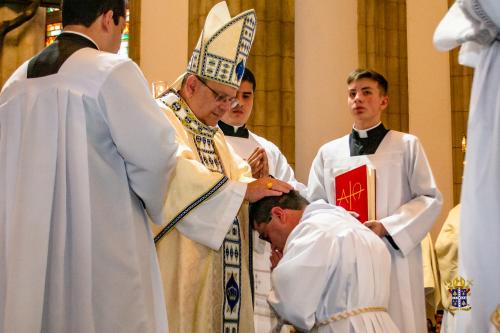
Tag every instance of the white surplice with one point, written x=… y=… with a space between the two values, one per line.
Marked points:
x=81 y=152
x=475 y=25
x=407 y=203
x=331 y=263
x=278 y=164
x=280 y=169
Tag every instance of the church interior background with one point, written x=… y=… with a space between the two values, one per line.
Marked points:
x=301 y=56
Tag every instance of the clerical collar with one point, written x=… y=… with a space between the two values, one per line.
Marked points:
x=80 y=34
x=363 y=133
x=365 y=142
x=188 y=119
x=237 y=131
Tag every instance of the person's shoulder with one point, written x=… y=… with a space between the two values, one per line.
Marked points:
x=97 y=61
x=311 y=229
x=406 y=141
x=18 y=76
x=264 y=142
x=110 y=61
x=170 y=115
x=402 y=136
x=334 y=144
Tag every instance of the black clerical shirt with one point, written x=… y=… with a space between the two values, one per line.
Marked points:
x=366 y=146
x=228 y=130
x=50 y=59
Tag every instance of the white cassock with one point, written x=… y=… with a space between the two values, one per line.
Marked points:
x=407 y=203
x=332 y=264
x=279 y=168
x=81 y=152
x=475 y=24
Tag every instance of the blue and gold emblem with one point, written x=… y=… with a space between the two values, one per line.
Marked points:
x=459 y=290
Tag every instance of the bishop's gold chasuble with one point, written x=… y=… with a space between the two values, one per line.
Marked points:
x=203 y=248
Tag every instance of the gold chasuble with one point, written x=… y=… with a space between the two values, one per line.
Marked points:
x=203 y=248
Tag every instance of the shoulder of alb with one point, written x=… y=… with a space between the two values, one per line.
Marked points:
x=334 y=144
x=265 y=143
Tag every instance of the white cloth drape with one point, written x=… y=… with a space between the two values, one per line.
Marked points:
x=407 y=204
x=332 y=263
x=475 y=24
x=82 y=152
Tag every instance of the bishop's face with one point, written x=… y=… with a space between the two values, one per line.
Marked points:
x=211 y=101
x=366 y=103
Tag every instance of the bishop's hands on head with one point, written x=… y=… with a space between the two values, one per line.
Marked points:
x=265 y=187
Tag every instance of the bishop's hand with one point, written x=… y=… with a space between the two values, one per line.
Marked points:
x=265 y=187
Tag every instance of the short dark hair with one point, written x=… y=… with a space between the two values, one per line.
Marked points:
x=249 y=77
x=260 y=211
x=85 y=12
x=361 y=73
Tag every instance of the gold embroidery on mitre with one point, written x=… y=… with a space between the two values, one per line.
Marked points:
x=223 y=46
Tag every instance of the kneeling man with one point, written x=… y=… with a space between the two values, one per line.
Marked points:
x=333 y=274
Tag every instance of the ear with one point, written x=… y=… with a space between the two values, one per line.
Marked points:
x=278 y=212
x=191 y=85
x=107 y=20
x=384 y=103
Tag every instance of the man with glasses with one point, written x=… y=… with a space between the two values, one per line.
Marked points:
x=203 y=247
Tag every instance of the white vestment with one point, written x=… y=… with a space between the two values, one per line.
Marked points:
x=279 y=169
x=331 y=263
x=203 y=247
x=278 y=164
x=82 y=151
x=475 y=24
x=407 y=203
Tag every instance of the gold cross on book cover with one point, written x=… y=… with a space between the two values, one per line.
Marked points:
x=355 y=191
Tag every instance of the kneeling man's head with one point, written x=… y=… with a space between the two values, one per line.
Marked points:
x=275 y=217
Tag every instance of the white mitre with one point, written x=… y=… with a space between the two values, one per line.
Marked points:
x=223 y=47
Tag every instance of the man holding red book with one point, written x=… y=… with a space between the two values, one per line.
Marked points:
x=407 y=198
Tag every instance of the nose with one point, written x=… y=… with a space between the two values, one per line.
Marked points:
x=235 y=104
x=358 y=97
x=225 y=106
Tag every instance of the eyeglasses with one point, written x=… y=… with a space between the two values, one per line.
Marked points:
x=263 y=235
x=221 y=98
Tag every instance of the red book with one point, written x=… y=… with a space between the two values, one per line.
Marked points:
x=355 y=191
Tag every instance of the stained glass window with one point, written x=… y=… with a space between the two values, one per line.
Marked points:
x=124 y=45
x=54 y=28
